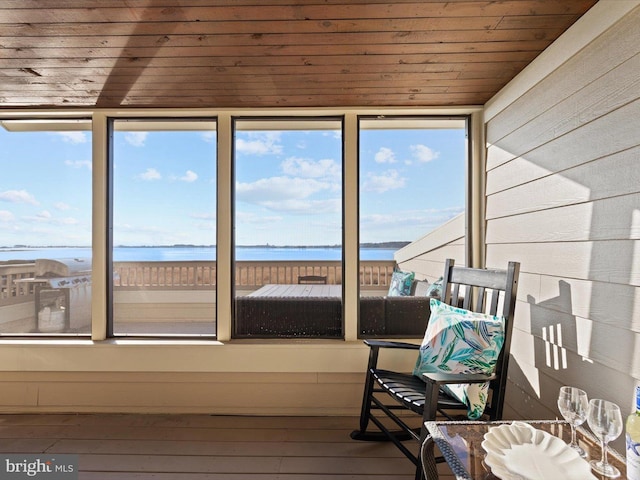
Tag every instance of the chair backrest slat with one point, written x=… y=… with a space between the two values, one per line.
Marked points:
x=478 y=277
x=467 y=297
x=495 y=296
x=455 y=293
x=480 y=299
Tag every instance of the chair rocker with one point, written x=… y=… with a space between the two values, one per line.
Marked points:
x=477 y=290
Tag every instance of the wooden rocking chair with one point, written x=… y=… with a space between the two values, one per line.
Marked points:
x=478 y=290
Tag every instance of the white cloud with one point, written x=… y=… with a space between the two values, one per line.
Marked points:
x=306 y=206
x=389 y=180
x=260 y=144
x=208 y=137
x=150 y=174
x=410 y=220
x=128 y=234
x=45 y=217
x=68 y=221
x=61 y=206
x=189 y=176
x=302 y=167
x=424 y=154
x=136 y=139
x=6 y=216
x=73 y=137
x=78 y=163
x=245 y=217
x=18 y=196
x=278 y=189
x=385 y=155
x=203 y=216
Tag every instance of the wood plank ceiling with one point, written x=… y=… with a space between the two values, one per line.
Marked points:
x=270 y=53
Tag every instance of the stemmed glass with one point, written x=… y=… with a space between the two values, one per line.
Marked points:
x=605 y=421
x=573 y=405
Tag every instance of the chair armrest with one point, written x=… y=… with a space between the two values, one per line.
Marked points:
x=374 y=350
x=388 y=344
x=445 y=378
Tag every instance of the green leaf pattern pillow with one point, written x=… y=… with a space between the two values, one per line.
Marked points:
x=460 y=341
x=401 y=283
x=435 y=289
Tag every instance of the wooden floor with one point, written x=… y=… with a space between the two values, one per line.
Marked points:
x=198 y=447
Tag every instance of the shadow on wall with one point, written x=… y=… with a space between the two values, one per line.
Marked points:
x=554 y=329
x=560 y=345
x=563 y=349
x=555 y=343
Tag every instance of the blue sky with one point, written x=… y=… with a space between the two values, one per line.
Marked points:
x=288 y=186
x=164 y=188
x=45 y=188
x=411 y=181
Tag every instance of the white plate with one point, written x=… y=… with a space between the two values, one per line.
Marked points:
x=517 y=451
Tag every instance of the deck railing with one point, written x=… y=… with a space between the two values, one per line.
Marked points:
x=13 y=288
x=200 y=275
x=169 y=297
x=187 y=275
x=249 y=275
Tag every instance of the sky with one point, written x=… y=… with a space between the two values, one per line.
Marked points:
x=288 y=186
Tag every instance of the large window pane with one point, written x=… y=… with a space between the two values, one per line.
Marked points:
x=288 y=225
x=164 y=227
x=412 y=207
x=45 y=227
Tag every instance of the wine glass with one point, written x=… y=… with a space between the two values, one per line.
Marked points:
x=573 y=405
x=605 y=421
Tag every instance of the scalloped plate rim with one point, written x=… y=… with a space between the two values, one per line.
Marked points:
x=493 y=459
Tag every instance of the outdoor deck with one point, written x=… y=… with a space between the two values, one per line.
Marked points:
x=166 y=298
x=197 y=447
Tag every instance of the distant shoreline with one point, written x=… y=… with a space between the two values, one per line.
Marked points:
x=385 y=245
x=196 y=253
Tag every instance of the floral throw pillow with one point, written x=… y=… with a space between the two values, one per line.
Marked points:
x=460 y=341
x=401 y=283
x=435 y=289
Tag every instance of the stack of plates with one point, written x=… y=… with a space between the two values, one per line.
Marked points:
x=517 y=451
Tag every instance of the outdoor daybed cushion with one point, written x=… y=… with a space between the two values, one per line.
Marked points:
x=461 y=341
x=322 y=317
x=288 y=317
x=394 y=316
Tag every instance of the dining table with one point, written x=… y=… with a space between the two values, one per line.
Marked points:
x=460 y=443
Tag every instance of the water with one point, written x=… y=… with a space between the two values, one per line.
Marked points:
x=155 y=254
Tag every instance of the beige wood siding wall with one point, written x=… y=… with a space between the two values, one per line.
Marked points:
x=426 y=255
x=239 y=393
x=563 y=198
x=245 y=377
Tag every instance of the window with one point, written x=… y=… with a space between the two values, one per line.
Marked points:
x=288 y=228
x=163 y=249
x=412 y=184
x=45 y=227
x=308 y=208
